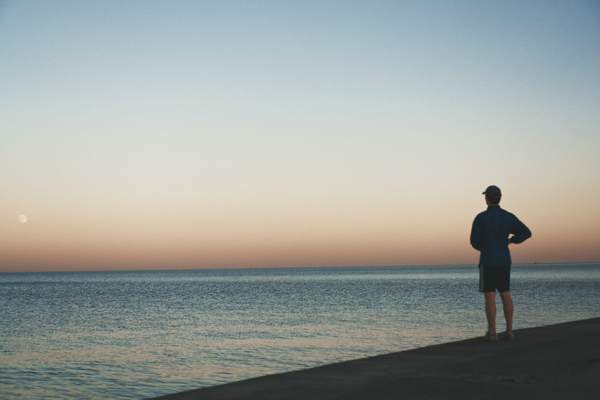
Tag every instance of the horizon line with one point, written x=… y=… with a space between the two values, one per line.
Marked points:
x=237 y=268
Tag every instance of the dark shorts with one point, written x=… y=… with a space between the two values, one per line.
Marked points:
x=494 y=278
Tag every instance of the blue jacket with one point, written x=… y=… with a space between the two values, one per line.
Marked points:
x=489 y=235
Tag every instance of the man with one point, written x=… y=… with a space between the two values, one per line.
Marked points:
x=490 y=235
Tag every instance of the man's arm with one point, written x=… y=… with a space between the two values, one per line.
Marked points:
x=476 y=235
x=520 y=231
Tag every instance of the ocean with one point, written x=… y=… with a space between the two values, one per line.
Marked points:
x=132 y=335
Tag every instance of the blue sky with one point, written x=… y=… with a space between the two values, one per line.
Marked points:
x=284 y=126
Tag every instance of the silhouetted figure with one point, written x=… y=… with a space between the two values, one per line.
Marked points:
x=490 y=235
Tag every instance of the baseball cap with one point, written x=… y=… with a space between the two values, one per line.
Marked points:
x=493 y=191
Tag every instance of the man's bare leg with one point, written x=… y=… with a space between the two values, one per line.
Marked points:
x=507 y=304
x=490 y=311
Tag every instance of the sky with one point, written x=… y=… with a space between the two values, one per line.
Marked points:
x=226 y=134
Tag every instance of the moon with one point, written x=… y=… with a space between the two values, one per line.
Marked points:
x=23 y=218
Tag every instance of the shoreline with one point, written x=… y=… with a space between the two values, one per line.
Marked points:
x=554 y=362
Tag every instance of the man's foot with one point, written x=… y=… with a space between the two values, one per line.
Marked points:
x=490 y=337
x=508 y=336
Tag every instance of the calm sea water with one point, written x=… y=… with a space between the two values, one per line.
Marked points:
x=131 y=335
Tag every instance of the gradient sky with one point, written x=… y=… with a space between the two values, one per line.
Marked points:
x=195 y=134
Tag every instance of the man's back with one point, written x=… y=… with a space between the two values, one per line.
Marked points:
x=490 y=235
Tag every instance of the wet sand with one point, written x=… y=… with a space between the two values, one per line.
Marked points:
x=553 y=362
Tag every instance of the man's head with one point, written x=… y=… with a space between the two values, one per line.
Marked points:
x=492 y=195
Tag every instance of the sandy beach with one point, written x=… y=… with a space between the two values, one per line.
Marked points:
x=551 y=362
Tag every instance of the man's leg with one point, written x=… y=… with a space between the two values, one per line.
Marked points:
x=507 y=304
x=490 y=311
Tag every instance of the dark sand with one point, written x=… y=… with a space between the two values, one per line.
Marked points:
x=553 y=362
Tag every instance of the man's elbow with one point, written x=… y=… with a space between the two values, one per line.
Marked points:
x=517 y=239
